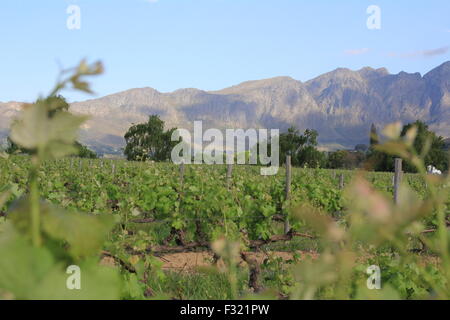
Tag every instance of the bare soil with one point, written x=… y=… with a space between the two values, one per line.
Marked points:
x=189 y=261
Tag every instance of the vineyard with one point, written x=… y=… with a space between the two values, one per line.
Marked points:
x=141 y=230
x=199 y=199
x=161 y=209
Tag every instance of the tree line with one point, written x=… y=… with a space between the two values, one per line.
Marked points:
x=150 y=141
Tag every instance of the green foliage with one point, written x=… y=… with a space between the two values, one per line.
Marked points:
x=344 y=159
x=12 y=148
x=426 y=142
x=149 y=141
x=39 y=241
x=205 y=209
x=49 y=136
x=382 y=233
x=42 y=229
x=302 y=148
x=84 y=152
x=53 y=105
x=29 y=272
x=310 y=157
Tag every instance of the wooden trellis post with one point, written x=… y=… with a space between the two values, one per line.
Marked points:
x=229 y=174
x=182 y=173
x=397 y=179
x=287 y=226
x=341 y=181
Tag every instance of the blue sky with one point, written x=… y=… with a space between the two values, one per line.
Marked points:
x=212 y=44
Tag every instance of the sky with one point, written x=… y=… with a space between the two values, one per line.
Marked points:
x=212 y=44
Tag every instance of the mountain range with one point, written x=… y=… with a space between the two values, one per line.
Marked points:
x=341 y=105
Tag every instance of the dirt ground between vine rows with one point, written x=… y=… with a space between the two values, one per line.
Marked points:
x=189 y=261
x=192 y=261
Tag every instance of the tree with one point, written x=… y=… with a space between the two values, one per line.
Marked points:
x=149 y=141
x=290 y=143
x=12 y=148
x=84 y=152
x=344 y=159
x=436 y=155
x=447 y=144
x=310 y=157
x=336 y=160
x=374 y=139
x=301 y=147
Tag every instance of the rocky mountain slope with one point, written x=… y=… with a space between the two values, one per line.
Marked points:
x=340 y=104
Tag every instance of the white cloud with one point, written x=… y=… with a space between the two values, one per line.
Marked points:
x=356 y=52
x=435 y=52
x=421 y=53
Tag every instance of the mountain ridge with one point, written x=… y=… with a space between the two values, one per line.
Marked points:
x=340 y=104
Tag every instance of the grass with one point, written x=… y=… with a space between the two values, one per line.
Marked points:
x=201 y=285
